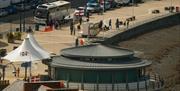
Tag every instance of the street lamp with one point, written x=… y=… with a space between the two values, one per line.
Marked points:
x=24 y=15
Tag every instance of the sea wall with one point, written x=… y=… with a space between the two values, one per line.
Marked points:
x=160 y=22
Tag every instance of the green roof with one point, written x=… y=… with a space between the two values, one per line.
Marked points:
x=96 y=51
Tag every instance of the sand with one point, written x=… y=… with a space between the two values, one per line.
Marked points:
x=162 y=47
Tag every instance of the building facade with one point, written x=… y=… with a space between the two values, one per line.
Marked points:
x=100 y=68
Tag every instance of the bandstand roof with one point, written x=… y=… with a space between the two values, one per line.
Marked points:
x=63 y=62
x=96 y=51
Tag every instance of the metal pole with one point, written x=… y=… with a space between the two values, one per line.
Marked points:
x=25 y=78
x=113 y=81
x=82 y=81
x=20 y=20
x=68 y=77
x=133 y=8
x=24 y=16
x=137 y=74
x=97 y=82
x=30 y=72
x=127 y=85
x=3 y=70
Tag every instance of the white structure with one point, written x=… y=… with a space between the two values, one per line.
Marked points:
x=90 y=29
x=38 y=48
x=108 y=87
x=25 y=52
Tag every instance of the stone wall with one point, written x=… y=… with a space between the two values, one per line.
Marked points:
x=165 y=21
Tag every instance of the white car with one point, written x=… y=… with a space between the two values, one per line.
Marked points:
x=3 y=12
x=93 y=7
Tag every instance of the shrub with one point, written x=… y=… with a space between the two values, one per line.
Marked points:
x=17 y=35
x=10 y=37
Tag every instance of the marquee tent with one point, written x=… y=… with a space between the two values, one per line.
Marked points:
x=25 y=52
x=35 y=44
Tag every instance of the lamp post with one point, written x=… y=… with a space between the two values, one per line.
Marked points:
x=24 y=15
x=20 y=18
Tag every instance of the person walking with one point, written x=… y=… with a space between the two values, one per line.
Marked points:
x=18 y=71
x=29 y=30
x=117 y=23
x=80 y=20
x=76 y=42
x=56 y=25
x=100 y=25
x=74 y=30
x=87 y=14
x=110 y=24
x=127 y=24
x=0 y=76
x=71 y=27
x=78 y=27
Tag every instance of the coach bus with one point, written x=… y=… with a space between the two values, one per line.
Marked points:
x=51 y=11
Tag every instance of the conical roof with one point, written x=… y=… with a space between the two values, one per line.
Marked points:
x=35 y=44
x=25 y=52
x=96 y=51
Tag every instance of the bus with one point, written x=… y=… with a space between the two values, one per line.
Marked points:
x=51 y=11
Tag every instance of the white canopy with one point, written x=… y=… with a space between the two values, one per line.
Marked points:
x=35 y=44
x=25 y=52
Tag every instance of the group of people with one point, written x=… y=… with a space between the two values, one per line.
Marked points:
x=109 y=27
x=73 y=28
x=118 y=23
x=54 y=23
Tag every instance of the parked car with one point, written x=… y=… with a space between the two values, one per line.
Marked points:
x=3 y=12
x=79 y=11
x=107 y=5
x=93 y=7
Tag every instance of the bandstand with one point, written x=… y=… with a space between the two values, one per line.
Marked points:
x=100 y=68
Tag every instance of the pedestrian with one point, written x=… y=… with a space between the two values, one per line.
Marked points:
x=100 y=25
x=0 y=76
x=59 y=22
x=117 y=23
x=74 y=30
x=63 y=19
x=56 y=25
x=18 y=71
x=76 y=42
x=80 y=20
x=110 y=24
x=29 y=30
x=71 y=27
x=1 y=61
x=78 y=27
x=127 y=24
x=87 y=14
